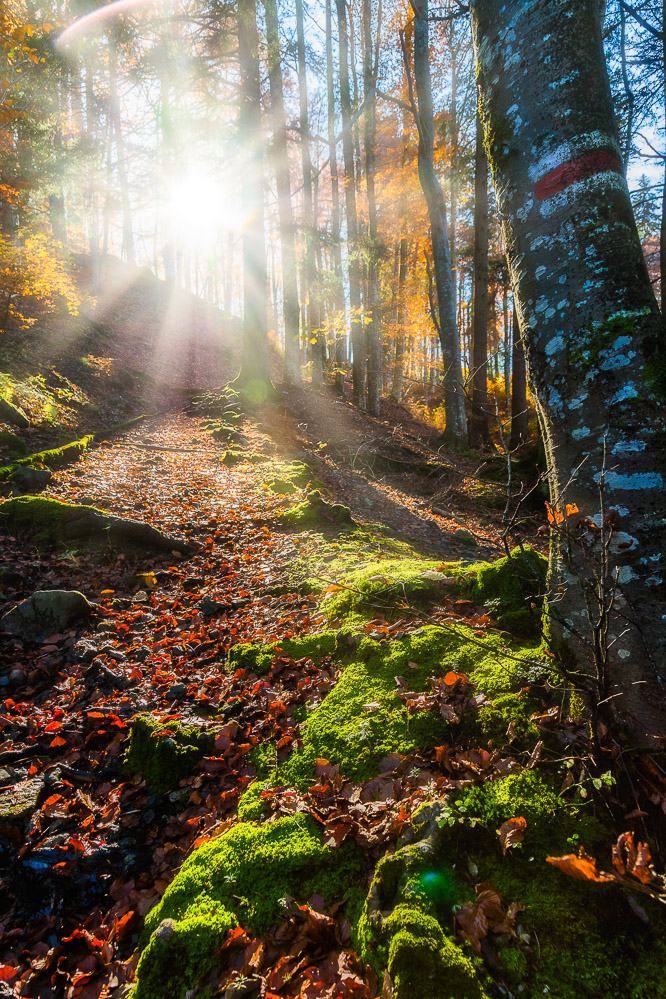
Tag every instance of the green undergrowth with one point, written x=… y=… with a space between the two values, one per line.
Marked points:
x=163 y=753
x=46 y=398
x=572 y=939
x=241 y=878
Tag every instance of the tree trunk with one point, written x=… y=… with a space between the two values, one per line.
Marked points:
x=478 y=425
x=454 y=399
x=373 y=328
x=506 y=345
x=593 y=339
x=114 y=102
x=254 y=373
x=285 y=211
x=354 y=264
x=311 y=290
x=398 y=364
x=662 y=235
x=338 y=292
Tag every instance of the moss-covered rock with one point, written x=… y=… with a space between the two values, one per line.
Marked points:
x=233 y=457
x=513 y=589
x=389 y=584
x=241 y=877
x=50 y=522
x=9 y=413
x=46 y=612
x=14 y=445
x=165 y=753
x=315 y=511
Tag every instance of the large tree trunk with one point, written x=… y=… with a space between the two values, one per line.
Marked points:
x=454 y=399
x=593 y=339
x=479 y=434
x=254 y=362
x=354 y=264
x=290 y=305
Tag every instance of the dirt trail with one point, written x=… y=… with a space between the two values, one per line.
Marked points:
x=98 y=849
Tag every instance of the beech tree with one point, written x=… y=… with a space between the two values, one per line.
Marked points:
x=593 y=341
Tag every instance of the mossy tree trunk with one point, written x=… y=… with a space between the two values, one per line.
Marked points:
x=593 y=340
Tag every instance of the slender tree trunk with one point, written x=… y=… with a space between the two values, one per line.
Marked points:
x=114 y=101
x=285 y=210
x=398 y=365
x=311 y=290
x=454 y=177
x=454 y=399
x=507 y=340
x=478 y=425
x=354 y=264
x=338 y=290
x=373 y=330
x=254 y=373
x=593 y=338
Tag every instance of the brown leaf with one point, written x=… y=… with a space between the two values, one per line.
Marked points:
x=511 y=833
x=582 y=867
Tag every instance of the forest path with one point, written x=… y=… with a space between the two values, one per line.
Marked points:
x=94 y=849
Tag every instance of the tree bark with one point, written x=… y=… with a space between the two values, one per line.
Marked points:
x=291 y=312
x=114 y=101
x=254 y=373
x=399 y=362
x=311 y=290
x=338 y=291
x=454 y=400
x=373 y=327
x=593 y=339
x=479 y=434
x=354 y=264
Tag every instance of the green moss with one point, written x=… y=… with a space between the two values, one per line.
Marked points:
x=40 y=517
x=231 y=458
x=56 y=457
x=425 y=964
x=341 y=731
x=315 y=511
x=259 y=659
x=250 y=806
x=238 y=878
x=389 y=583
x=14 y=445
x=164 y=753
x=509 y=587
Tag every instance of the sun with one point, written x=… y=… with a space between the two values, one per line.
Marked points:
x=199 y=209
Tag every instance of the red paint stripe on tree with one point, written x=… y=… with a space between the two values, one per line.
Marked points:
x=563 y=176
